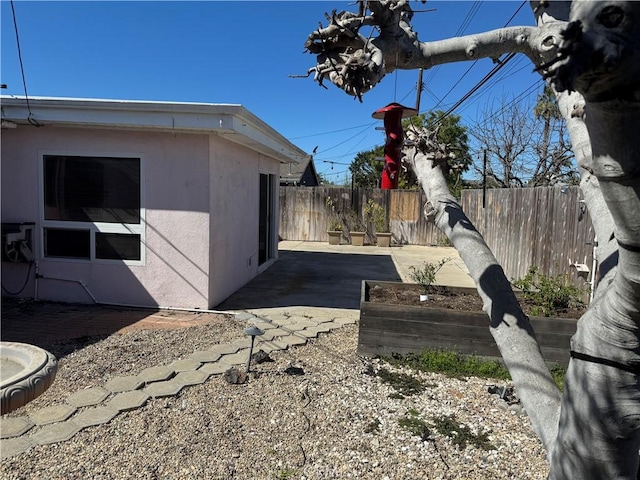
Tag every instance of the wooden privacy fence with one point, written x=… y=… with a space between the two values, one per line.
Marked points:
x=304 y=213
x=546 y=227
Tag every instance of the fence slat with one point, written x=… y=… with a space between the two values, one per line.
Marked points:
x=524 y=227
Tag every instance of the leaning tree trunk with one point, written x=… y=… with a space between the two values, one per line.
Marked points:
x=599 y=430
x=592 y=430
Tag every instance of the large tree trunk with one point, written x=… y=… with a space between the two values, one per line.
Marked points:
x=592 y=430
x=599 y=430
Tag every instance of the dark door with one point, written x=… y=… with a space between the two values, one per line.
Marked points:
x=266 y=220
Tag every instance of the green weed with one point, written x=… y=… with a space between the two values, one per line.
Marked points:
x=460 y=434
x=404 y=384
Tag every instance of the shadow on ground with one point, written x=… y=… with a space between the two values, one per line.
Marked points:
x=61 y=328
x=315 y=279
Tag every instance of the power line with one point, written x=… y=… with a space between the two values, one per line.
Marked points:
x=367 y=127
x=517 y=98
x=486 y=78
x=461 y=30
x=332 y=131
x=24 y=80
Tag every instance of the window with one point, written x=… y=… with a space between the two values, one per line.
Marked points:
x=92 y=207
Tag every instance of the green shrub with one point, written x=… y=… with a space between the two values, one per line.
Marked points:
x=426 y=275
x=376 y=214
x=548 y=295
x=334 y=222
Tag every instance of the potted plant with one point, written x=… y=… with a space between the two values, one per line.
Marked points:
x=377 y=215
x=426 y=275
x=334 y=223
x=357 y=231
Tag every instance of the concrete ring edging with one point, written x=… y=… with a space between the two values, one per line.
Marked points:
x=38 y=371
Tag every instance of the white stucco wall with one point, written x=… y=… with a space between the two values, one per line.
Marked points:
x=235 y=187
x=176 y=197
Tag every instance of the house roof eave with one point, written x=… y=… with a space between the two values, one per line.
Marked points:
x=230 y=121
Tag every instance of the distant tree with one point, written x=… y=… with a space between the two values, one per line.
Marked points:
x=553 y=148
x=365 y=170
x=526 y=146
x=325 y=180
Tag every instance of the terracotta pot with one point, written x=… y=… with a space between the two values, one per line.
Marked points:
x=383 y=239
x=357 y=238
x=334 y=237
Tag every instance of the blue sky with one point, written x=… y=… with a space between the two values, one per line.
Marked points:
x=243 y=52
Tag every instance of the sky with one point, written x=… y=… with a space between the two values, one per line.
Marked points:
x=243 y=52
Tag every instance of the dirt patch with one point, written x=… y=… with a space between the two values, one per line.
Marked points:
x=442 y=297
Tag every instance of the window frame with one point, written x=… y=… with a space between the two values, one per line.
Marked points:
x=92 y=227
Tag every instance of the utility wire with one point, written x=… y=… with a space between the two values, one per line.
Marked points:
x=30 y=118
x=349 y=139
x=486 y=78
x=332 y=131
x=460 y=31
x=529 y=90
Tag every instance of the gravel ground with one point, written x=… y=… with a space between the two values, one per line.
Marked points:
x=338 y=420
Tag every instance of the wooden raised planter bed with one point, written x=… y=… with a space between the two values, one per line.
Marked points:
x=385 y=329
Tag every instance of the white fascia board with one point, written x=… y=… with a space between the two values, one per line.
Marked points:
x=233 y=122
x=250 y=131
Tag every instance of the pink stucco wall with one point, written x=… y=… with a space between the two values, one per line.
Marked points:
x=235 y=196
x=201 y=200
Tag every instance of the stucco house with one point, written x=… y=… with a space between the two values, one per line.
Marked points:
x=140 y=203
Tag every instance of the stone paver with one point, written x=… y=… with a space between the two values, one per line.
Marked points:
x=321 y=328
x=344 y=321
x=214 y=368
x=185 y=365
x=272 y=346
x=244 y=342
x=245 y=317
x=238 y=358
x=56 y=432
x=167 y=388
x=274 y=333
x=156 y=374
x=333 y=324
x=123 y=384
x=224 y=348
x=15 y=426
x=14 y=446
x=292 y=327
x=128 y=400
x=88 y=397
x=95 y=416
x=52 y=414
x=294 y=340
x=297 y=322
x=279 y=317
x=192 y=377
x=265 y=325
x=308 y=333
x=205 y=356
